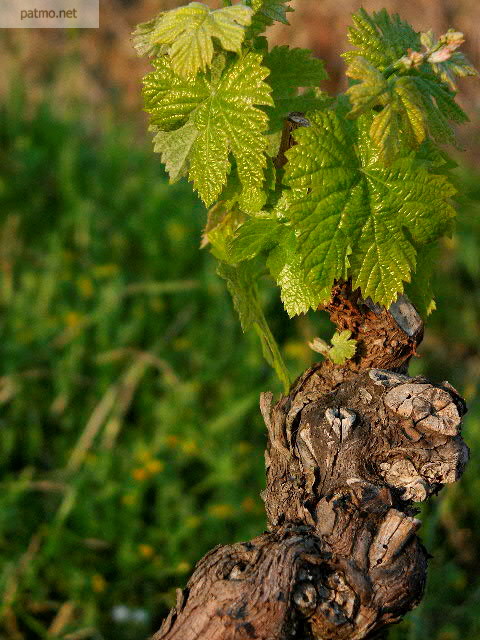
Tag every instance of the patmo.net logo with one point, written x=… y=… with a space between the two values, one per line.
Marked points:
x=49 y=14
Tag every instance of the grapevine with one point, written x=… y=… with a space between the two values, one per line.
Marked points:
x=341 y=201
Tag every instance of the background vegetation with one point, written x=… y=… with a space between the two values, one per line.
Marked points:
x=130 y=439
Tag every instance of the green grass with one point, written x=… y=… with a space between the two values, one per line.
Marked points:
x=130 y=439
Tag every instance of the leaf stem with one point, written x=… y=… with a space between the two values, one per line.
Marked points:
x=389 y=71
x=270 y=349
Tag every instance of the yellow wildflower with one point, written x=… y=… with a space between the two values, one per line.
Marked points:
x=73 y=319
x=248 y=504
x=172 y=441
x=154 y=466
x=85 y=286
x=183 y=567
x=139 y=474
x=189 y=447
x=146 y=550
x=144 y=455
x=221 y=510
x=98 y=583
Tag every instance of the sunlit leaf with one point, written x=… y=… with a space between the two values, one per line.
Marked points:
x=380 y=38
x=354 y=216
x=222 y=109
x=343 y=347
x=291 y=69
x=186 y=35
x=266 y=12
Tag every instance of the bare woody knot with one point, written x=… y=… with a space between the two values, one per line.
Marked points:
x=305 y=597
x=341 y=420
x=431 y=408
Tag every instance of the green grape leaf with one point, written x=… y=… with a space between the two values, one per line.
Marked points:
x=354 y=216
x=254 y=236
x=457 y=65
x=142 y=38
x=266 y=12
x=419 y=290
x=317 y=167
x=297 y=292
x=242 y=283
x=222 y=110
x=343 y=347
x=222 y=223
x=174 y=147
x=365 y=94
x=411 y=107
x=380 y=38
x=444 y=98
x=291 y=69
x=169 y=99
x=440 y=107
x=257 y=235
x=435 y=159
x=402 y=120
x=228 y=122
x=250 y=201
x=186 y=34
x=403 y=116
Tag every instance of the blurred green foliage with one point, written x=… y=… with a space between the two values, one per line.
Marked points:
x=130 y=439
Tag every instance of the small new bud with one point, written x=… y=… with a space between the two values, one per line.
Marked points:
x=452 y=38
x=449 y=43
x=427 y=39
x=413 y=59
x=441 y=55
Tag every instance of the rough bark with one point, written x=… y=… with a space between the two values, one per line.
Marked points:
x=350 y=449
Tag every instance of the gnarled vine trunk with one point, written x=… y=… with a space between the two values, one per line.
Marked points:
x=350 y=449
